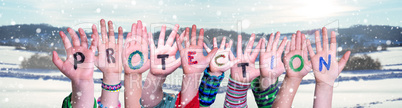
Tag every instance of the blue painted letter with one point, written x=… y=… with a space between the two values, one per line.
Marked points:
x=327 y=65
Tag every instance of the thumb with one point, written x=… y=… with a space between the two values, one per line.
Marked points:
x=211 y=54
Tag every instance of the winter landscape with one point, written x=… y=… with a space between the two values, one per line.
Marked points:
x=47 y=88
x=370 y=29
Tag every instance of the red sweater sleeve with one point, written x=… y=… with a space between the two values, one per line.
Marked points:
x=194 y=103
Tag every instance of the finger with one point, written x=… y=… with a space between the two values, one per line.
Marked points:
x=144 y=36
x=293 y=42
x=161 y=41
x=215 y=43
x=172 y=35
x=310 y=49
x=333 y=41
x=298 y=40
x=174 y=48
x=282 y=46
x=324 y=39
x=201 y=37
x=95 y=33
x=94 y=43
x=83 y=36
x=74 y=37
x=103 y=31
x=304 y=44
x=130 y=38
x=256 y=51
x=139 y=31
x=206 y=48
x=287 y=48
x=179 y=40
x=151 y=44
x=111 y=32
x=186 y=38
x=211 y=54
x=66 y=41
x=275 y=44
x=120 y=39
x=270 y=41
x=231 y=56
x=230 y=45
x=239 y=46
x=317 y=42
x=263 y=45
x=343 y=61
x=223 y=43
x=177 y=63
x=57 y=61
x=194 y=35
x=250 y=44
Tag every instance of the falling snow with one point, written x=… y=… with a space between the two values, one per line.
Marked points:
x=38 y=30
x=12 y=22
x=98 y=10
x=20 y=58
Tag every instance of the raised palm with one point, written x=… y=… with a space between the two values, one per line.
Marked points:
x=192 y=58
x=247 y=60
x=296 y=59
x=326 y=68
x=135 y=54
x=271 y=64
x=74 y=70
x=220 y=62
x=164 y=51
x=109 y=58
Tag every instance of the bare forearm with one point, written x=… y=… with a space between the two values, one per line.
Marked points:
x=133 y=90
x=287 y=92
x=189 y=88
x=323 y=95
x=153 y=89
x=83 y=94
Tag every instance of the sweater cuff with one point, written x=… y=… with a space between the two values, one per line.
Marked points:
x=264 y=98
x=236 y=95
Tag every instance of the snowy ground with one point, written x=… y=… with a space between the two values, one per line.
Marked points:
x=18 y=92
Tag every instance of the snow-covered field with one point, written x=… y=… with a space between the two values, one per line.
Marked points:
x=19 y=92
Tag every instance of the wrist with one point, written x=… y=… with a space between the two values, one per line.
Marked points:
x=214 y=72
x=111 y=78
x=265 y=82
x=324 y=84
x=82 y=83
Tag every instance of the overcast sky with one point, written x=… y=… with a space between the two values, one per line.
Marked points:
x=256 y=16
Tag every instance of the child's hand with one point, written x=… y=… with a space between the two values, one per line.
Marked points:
x=220 y=62
x=192 y=57
x=326 y=68
x=79 y=63
x=244 y=70
x=271 y=64
x=135 y=53
x=296 y=59
x=163 y=58
x=109 y=58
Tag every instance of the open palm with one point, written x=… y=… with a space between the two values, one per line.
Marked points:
x=135 y=54
x=192 y=58
x=296 y=59
x=169 y=49
x=84 y=70
x=271 y=64
x=109 y=58
x=326 y=68
x=248 y=59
